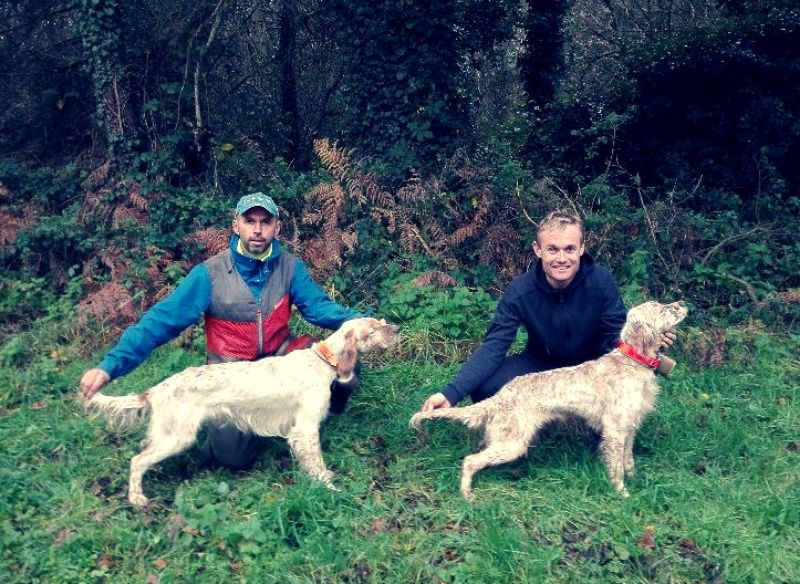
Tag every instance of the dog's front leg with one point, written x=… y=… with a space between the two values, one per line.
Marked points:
x=627 y=461
x=306 y=449
x=135 y=491
x=612 y=448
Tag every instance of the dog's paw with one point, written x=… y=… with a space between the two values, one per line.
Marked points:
x=468 y=495
x=138 y=500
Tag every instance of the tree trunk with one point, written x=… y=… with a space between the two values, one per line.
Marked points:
x=290 y=114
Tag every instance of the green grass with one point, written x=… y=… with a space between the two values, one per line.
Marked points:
x=715 y=499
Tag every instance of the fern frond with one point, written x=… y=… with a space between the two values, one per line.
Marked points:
x=97 y=177
x=136 y=198
x=334 y=159
x=123 y=213
x=9 y=227
x=111 y=303
x=213 y=240
x=434 y=279
x=474 y=224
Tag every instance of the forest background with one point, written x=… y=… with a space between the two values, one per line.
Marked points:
x=411 y=147
x=400 y=138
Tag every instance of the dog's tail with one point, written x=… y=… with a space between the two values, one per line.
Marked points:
x=471 y=416
x=123 y=413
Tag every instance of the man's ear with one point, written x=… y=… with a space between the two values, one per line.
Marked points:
x=278 y=226
x=235 y=226
x=537 y=250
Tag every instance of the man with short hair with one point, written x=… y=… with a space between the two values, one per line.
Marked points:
x=245 y=294
x=570 y=307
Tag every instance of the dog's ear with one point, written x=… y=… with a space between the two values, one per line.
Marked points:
x=348 y=358
x=640 y=336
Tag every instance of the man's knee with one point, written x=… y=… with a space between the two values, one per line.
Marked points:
x=341 y=392
x=228 y=447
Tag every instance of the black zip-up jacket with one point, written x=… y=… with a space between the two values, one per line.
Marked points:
x=565 y=326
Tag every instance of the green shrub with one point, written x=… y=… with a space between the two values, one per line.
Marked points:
x=458 y=313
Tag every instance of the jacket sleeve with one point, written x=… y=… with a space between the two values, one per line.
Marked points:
x=614 y=314
x=489 y=356
x=312 y=302
x=161 y=323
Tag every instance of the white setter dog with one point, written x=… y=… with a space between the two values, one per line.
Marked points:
x=612 y=394
x=277 y=396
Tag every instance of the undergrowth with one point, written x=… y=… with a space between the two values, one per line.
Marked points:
x=716 y=496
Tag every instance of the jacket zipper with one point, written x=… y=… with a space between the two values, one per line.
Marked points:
x=259 y=325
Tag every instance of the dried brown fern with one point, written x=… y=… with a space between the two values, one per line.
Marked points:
x=133 y=208
x=791 y=296
x=9 y=227
x=424 y=215
x=135 y=197
x=324 y=204
x=386 y=217
x=474 y=225
x=323 y=256
x=110 y=307
x=97 y=177
x=113 y=259
x=434 y=279
x=325 y=208
x=360 y=188
x=212 y=241
x=436 y=234
x=123 y=214
x=501 y=246
x=414 y=193
x=709 y=348
x=157 y=262
x=333 y=158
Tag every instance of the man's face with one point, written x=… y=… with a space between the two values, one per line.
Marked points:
x=560 y=250
x=256 y=228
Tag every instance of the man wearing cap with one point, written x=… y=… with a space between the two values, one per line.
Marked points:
x=245 y=294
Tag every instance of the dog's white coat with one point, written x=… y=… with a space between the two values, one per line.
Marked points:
x=612 y=394
x=284 y=396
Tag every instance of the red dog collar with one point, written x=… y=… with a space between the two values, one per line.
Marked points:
x=651 y=362
x=326 y=354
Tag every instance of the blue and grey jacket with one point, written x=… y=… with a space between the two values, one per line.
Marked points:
x=192 y=299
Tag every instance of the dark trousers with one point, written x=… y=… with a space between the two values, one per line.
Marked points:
x=513 y=366
x=227 y=446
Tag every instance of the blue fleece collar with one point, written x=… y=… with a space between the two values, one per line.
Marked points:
x=254 y=272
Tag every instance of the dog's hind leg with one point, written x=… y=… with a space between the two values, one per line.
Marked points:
x=492 y=455
x=306 y=449
x=159 y=446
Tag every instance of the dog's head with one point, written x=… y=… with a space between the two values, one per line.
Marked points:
x=364 y=335
x=648 y=321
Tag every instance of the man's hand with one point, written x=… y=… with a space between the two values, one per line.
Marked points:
x=93 y=381
x=435 y=402
x=668 y=338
